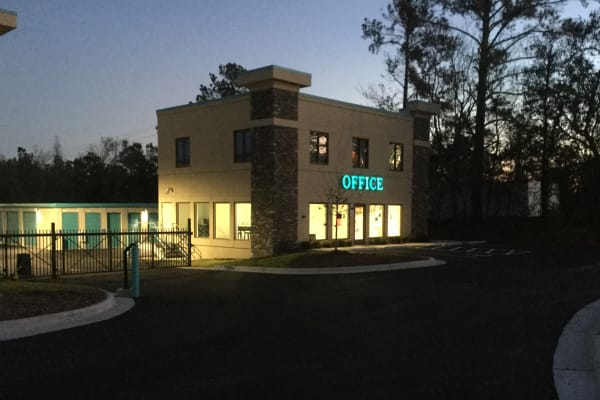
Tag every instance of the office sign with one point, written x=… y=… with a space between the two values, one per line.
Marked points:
x=362 y=182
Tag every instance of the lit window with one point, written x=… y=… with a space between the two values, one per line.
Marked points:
x=243 y=220
x=242 y=145
x=183 y=214
x=375 y=220
x=394 y=220
x=319 y=148
x=339 y=229
x=317 y=222
x=360 y=153
x=222 y=221
x=396 y=156
x=202 y=220
x=182 y=152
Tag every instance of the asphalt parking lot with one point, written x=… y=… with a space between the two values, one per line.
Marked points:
x=477 y=327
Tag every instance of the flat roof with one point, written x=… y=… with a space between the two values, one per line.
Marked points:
x=78 y=205
x=274 y=73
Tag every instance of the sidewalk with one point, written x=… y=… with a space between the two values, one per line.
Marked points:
x=111 y=307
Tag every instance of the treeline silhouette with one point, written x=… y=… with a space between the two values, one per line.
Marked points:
x=115 y=171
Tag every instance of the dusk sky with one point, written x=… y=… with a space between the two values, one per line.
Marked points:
x=81 y=69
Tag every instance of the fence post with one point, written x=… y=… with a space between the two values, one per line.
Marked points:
x=189 y=242
x=125 y=280
x=64 y=250
x=151 y=248
x=53 y=250
x=5 y=255
x=135 y=271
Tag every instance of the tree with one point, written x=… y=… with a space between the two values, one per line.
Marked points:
x=407 y=30
x=225 y=86
x=498 y=27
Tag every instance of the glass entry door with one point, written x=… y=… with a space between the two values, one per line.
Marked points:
x=359 y=222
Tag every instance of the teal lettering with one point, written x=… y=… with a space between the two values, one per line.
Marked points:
x=346 y=182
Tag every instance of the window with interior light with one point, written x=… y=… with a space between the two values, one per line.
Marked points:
x=317 y=220
x=222 y=221
x=319 y=148
x=360 y=152
x=394 y=220
x=396 y=157
x=339 y=214
x=375 y=220
x=243 y=221
x=202 y=220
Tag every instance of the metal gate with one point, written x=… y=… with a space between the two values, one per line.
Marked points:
x=89 y=251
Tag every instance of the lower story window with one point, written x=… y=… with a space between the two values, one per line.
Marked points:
x=243 y=220
x=202 y=220
x=375 y=220
x=317 y=220
x=339 y=228
x=222 y=221
x=394 y=220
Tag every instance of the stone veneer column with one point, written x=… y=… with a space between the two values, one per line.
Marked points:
x=274 y=173
x=421 y=203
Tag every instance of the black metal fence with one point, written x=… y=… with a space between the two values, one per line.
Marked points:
x=55 y=253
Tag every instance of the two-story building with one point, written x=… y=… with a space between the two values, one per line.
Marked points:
x=262 y=172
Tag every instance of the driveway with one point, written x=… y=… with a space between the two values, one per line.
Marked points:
x=478 y=327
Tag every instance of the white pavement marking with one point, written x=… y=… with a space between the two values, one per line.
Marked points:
x=490 y=251
x=472 y=250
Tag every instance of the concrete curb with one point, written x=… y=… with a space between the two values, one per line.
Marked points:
x=110 y=307
x=576 y=365
x=430 y=262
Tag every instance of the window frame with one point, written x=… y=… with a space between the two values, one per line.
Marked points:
x=217 y=221
x=245 y=135
x=242 y=232
x=315 y=155
x=204 y=228
x=182 y=152
x=360 y=147
x=393 y=165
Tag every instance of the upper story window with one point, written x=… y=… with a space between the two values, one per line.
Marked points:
x=396 y=157
x=319 y=148
x=182 y=152
x=360 y=153
x=242 y=145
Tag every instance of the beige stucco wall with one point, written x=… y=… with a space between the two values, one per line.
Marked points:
x=343 y=122
x=212 y=175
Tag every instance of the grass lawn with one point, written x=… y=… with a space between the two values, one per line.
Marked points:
x=21 y=299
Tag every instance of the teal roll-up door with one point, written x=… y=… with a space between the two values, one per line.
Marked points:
x=133 y=224
x=70 y=224
x=12 y=221
x=29 y=226
x=114 y=225
x=92 y=229
x=153 y=221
